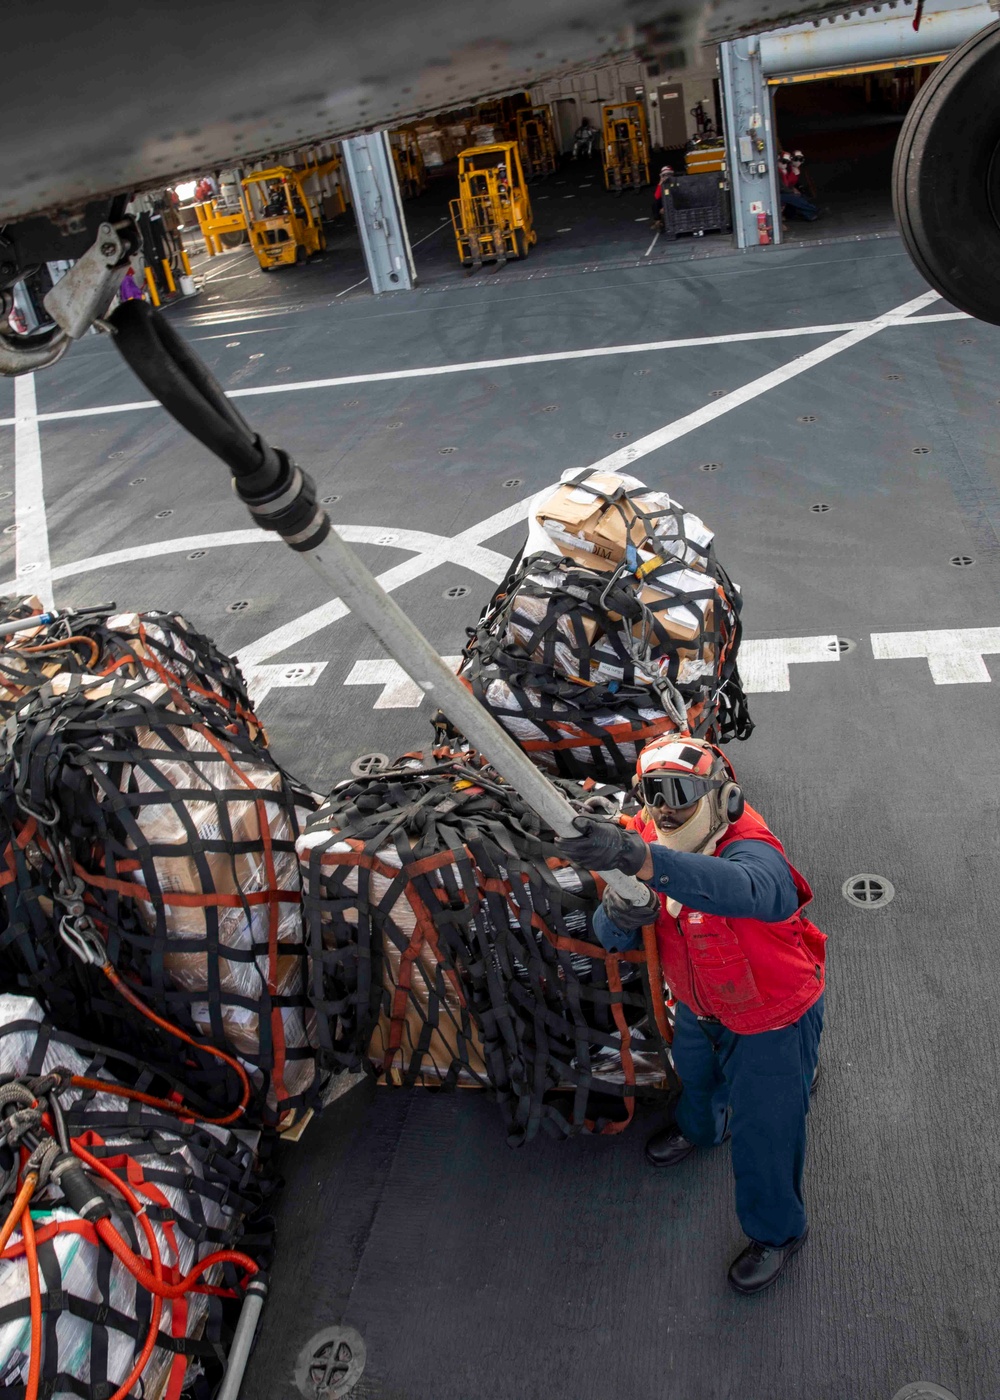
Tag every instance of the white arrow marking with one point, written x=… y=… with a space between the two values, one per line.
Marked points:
x=398 y=691
x=764 y=661
x=263 y=679
x=955 y=655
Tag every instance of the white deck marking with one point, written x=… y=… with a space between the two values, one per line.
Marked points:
x=261 y=680
x=764 y=661
x=398 y=691
x=34 y=569
x=460 y=549
x=484 y=561
x=624 y=456
x=656 y=239
x=509 y=362
x=954 y=655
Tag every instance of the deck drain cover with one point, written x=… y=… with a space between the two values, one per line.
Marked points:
x=28 y=568
x=716 y=393
x=619 y=435
x=283 y=369
x=240 y=605
x=961 y=561
x=512 y=481
x=868 y=891
x=330 y=1364
x=232 y=344
x=924 y=1390
x=198 y=554
x=841 y=644
x=710 y=467
x=820 y=508
x=162 y=514
x=394 y=425
x=457 y=590
x=138 y=481
x=5 y=495
x=920 y=451
x=967 y=340
x=550 y=408
x=113 y=456
x=329 y=500
x=353 y=403
x=369 y=763
x=808 y=418
x=11 y=529
x=638 y=372
x=445 y=450
x=893 y=376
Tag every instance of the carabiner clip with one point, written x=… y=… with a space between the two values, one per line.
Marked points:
x=82 y=939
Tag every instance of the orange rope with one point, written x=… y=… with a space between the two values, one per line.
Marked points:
x=165 y=1025
x=95 y=651
x=17 y=1209
x=35 y=1344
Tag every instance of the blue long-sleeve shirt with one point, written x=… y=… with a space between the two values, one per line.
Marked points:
x=748 y=880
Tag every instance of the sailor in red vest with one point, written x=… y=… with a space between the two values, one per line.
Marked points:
x=746 y=968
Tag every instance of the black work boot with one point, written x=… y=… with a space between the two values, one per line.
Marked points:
x=760 y=1264
x=669 y=1146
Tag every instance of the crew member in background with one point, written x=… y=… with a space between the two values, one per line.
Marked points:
x=665 y=175
x=792 y=196
x=747 y=970
x=583 y=139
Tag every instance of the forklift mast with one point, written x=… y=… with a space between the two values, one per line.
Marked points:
x=626 y=146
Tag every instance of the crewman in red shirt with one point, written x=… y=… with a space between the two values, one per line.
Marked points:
x=746 y=968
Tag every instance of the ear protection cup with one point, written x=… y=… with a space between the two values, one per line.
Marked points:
x=732 y=802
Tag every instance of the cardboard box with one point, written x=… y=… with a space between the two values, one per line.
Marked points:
x=595 y=534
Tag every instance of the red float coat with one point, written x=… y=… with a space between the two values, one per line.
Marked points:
x=750 y=975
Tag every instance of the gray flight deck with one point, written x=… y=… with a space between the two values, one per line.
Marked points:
x=571 y=1271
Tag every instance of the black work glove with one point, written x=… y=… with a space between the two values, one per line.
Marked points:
x=630 y=916
x=603 y=845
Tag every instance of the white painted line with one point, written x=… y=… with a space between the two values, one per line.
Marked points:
x=484 y=561
x=231 y=260
x=261 y=680
x=564 y=230
x=509 y=362
x=460 y=549
x=764 y=661
x=954 y=655
x=643 y=219
x=656 y=237
x=433 y=231
x=624 y=456
x=34 y=569
x=351 y=288
x=398 y=691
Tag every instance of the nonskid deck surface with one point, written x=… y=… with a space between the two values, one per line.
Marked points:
x=570 y=1271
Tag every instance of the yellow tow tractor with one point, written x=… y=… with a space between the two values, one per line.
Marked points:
x=408 y=158
x=284 y=225
x=536 y=140
x=492 y=214
x=626 y=146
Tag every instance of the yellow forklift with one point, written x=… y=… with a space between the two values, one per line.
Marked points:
x=536 y=140
x=408 y=158
x=492 y=215
x=284 y=225
x=626 y=146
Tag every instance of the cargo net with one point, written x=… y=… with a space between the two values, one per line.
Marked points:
x=195 y=1189
x=452 y=946
x=154 y=646
x=150 y=886
x=632 y=632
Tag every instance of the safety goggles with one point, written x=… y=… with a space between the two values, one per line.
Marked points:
x=675 y=790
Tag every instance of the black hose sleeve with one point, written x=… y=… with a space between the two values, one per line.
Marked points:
x=182 y=383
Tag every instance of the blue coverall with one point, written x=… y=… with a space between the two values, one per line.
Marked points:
x=754 y=1086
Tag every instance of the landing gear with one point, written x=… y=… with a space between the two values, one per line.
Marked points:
x=946 y=178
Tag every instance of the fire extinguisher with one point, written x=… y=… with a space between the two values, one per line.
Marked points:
x=765 y=233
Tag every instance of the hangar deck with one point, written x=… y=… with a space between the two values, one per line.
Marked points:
x=818 y=376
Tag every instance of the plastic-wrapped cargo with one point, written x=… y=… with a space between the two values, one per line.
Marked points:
x=615 y=625
x=452 y=946
x=180 y=828
x=200 y=1185
x=152 y=645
